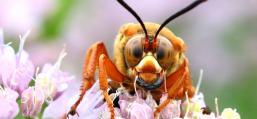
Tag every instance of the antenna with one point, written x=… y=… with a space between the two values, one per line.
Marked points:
x=125 y=5
x=179 y=13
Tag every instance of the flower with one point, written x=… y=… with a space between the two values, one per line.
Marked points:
x=9 y=108
x=134 y=107
x=17 y=70
x=7 y=58
x=32 y=100
x=192 y=108
x=141 y=105
x=137 y=109
x=229 y=113
x=52 y=80
x=172 y=110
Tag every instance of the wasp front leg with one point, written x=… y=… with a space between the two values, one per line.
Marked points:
x=91 y=63
x=178 y=83
x=107 y=68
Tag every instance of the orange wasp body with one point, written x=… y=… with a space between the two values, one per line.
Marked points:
x=146 y=53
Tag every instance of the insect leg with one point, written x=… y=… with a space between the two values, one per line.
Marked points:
x=174 y=86
x=91 y=62
x=186 y=84
x=171 y=96
x=108 y=69
x=178 y=83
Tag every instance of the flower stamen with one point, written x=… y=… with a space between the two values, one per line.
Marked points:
x=217 y=107
x=22 y=42
x=199 y=81
x=188 y=105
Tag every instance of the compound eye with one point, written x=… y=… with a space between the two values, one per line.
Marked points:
x=164 y=53
x=137 y=52
x=160 y=53
x=134 y=50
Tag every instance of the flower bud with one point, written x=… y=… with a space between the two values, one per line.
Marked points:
x=52 y=80
x=32 y=100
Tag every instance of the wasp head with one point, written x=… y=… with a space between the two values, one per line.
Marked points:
x=147 y=59
x=145 y=51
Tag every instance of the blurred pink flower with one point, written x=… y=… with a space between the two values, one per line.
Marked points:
x=7 y=58
x=52 y=80
x=18 y=16
x=9 y=108
x=32 y=100
x=17 y=70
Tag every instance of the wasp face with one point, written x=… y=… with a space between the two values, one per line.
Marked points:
x=149 y=64
x=148 y=61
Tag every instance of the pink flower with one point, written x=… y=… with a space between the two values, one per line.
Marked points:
x=7 y=58
x=52 y=80
x=92 y=106
x=32 y=100
x=172 y=110
x=16 y=70
x=9 y=108
x=135 y=108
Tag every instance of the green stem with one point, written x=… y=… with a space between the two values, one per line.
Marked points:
x=19 y=116
x=40 y=115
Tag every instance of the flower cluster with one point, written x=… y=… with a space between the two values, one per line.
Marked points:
x=20 y=81
x=133 y=107
x=137 y=107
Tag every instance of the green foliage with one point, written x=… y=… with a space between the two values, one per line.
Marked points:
x=53 y=25
x=238 y=93
x=237 y=34
x=241 y=94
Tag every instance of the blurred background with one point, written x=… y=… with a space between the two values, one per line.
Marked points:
x=221 y=36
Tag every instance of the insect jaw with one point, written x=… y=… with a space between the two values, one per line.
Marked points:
x=156 y=82
x=148 y=65
x=148 y=73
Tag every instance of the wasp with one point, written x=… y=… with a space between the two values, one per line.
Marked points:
x=146 y=53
